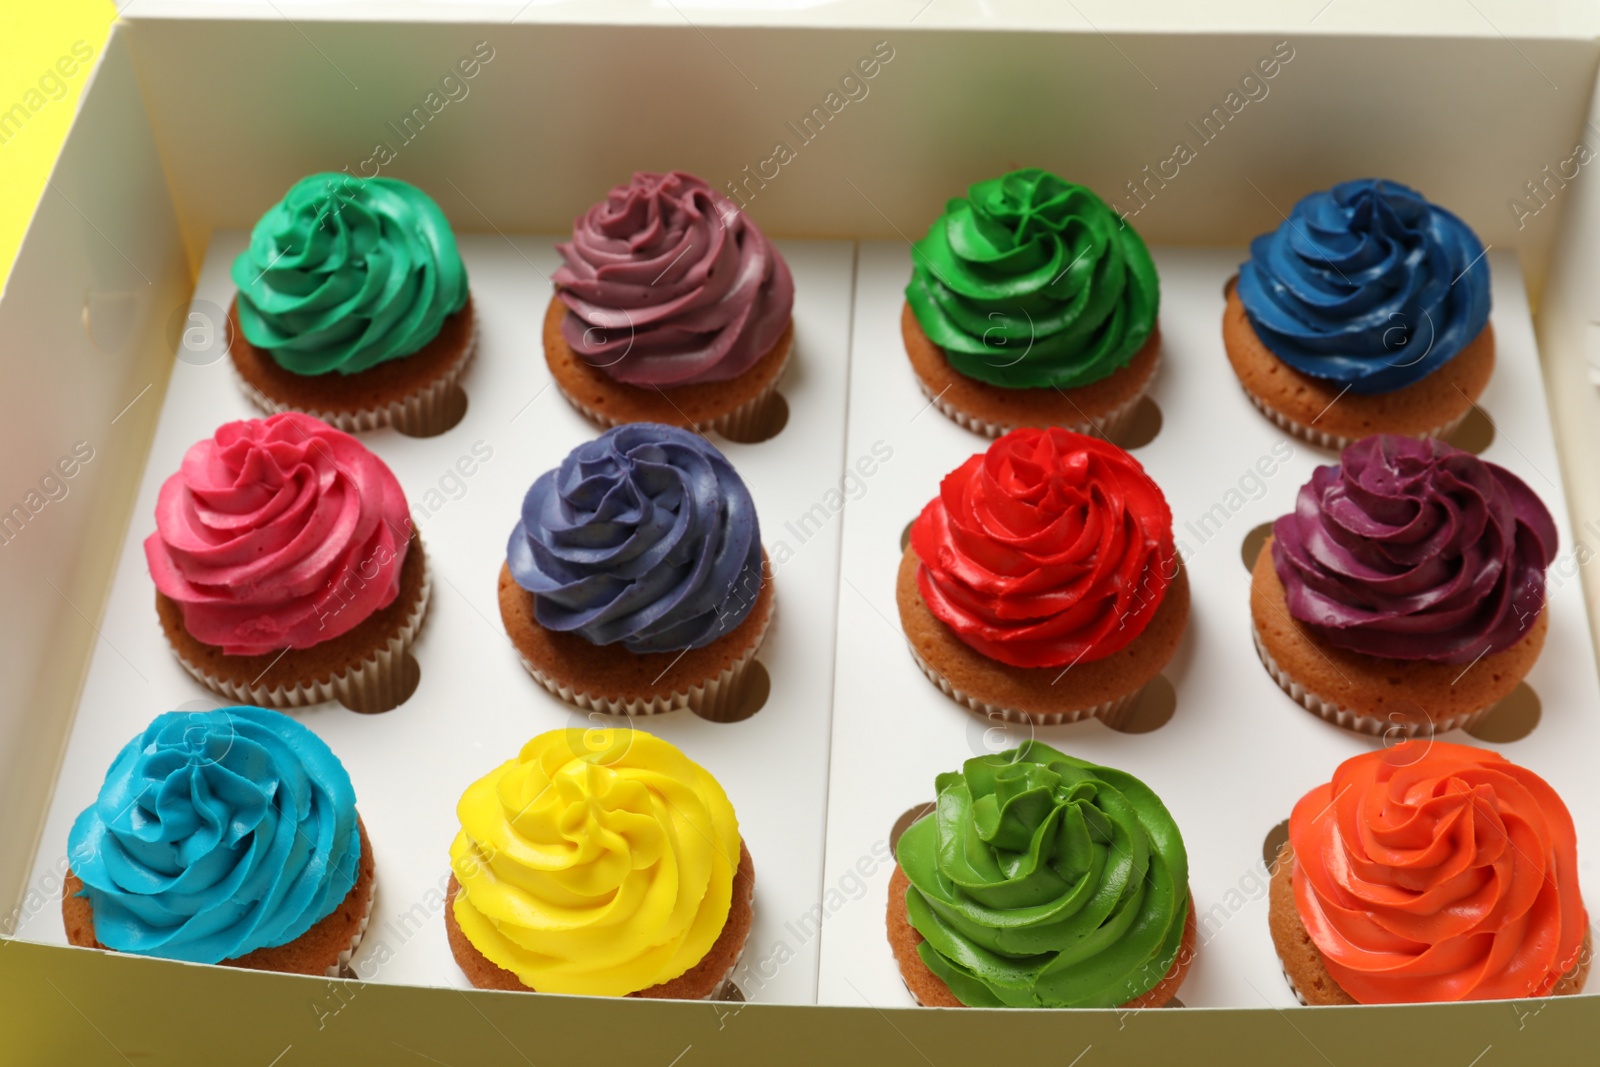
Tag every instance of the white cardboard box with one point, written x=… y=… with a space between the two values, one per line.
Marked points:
x=192 y=127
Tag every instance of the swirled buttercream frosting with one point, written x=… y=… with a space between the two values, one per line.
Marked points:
x=645 y=536
x=217 y=833
x=1045 y=881
x=1030 y=281
x=1412 y=549
x=596 y=861
x=1048 y=549
x=1368 y=285
x=344 y=273
x=667 y=283
x=1433 y=871
x=278 y=533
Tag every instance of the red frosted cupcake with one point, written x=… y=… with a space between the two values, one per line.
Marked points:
x=1430 y=872
x=671 y=307
x=285 y=566
x=1042 y=584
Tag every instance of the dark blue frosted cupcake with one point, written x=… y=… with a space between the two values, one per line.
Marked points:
x=1366 y=311
x=635 y=582
x=227 y=836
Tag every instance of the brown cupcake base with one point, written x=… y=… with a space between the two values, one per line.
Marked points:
x=323 y=950
x=415 y=394
x=740 y=409
x=1045 y=696
x=1099 y=408
x=709 y=681
x=1325 y=414
x=1304 y=967
x=363 y=668
x=703 y=981
x=1370 y=694
x=929 y=990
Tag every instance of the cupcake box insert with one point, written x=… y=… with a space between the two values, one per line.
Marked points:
x=851 y=734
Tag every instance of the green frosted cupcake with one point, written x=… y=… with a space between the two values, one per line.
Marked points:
x=1041 y=881
x=353 y=306
x=1031 y=303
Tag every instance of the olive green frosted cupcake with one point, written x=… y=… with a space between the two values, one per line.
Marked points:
x=1041 y=881
x=353 y=307
x=1032 y=304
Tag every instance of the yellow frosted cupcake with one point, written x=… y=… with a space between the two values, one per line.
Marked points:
x=600 y=862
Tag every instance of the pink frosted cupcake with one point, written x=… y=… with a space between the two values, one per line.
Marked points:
x=671 y=307
x=286 y=568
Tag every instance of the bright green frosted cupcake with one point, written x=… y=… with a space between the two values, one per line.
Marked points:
x=353 y=307
x=1032 y=303
x=1041 y=881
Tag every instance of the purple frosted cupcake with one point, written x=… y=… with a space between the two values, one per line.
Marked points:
x=635 y=581
x=1406 y=592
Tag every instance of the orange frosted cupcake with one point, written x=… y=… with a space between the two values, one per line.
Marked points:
x=1042 y=584
x=1430 y=872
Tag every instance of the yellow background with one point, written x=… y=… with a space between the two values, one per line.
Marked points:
x=36 y=34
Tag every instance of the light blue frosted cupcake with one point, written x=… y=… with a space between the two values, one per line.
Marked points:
x=227 y=836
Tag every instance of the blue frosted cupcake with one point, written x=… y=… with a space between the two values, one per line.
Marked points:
x=635 y=581
x=1366 y=311
x=227 y=836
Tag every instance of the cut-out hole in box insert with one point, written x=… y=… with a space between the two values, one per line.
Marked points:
x=764 y=425
x=1141 y=427
x=754 y=689
x=1514 y=718
x=388 y=697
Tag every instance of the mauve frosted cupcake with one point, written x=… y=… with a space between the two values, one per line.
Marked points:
x=227 y=836
x=634 y=581
x=1405 y=594
x=353 y=307
x=1366 y=311
x=286 y=567
x=671 y=307
x=1042 y=584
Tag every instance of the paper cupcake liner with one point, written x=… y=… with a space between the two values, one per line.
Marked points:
x=1352 y=720
x=750 y=421
x=712 y=699
x=1335 y=442
x=1301 y=997
x=1112 y=712
x=423 y=414
x=337 y=970
x=379 y=679
x=1106 y=427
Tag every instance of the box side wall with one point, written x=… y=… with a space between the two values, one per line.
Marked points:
x=307 y=1020
x=1568 y=324
x=1187 y=135
x=84 y=364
